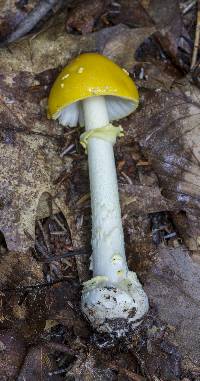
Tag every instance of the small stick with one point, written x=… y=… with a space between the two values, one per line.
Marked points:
x=197 y=36
x=39 y=248
x=170 y=235
x=59 y=223
x=64 y=255
x=31 y=20
x=35 y=286
x=67 y=150
x=58 y=371
x=70 y=131
x=58 y=233
x=127 y=178
x=45 y=237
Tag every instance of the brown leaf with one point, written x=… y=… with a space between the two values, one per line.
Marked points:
x=12 y=353
x=187 y=225
x=172 y=35
x=120 y=43
x=22 y=299
x=92 y=367
x=154 y=75
x=30 y=162
x=172 y=286
x=129 y=12
x=38 y=365
x=63 y=306
x=18 y=270
x=167 y=129
x=83 y=16
x=141 y=199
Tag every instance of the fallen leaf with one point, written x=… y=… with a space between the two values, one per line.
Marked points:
x=83 y=16
x=129 y=12
x=30 y=161
x=63 y=307
x=172 y=34
x=121 y=43
x=167 y=129
x=19 y=270
x=154 y=75
x=103 y=364
x=172 y=286
x=39 y=365
x=12 y=353
x=141 y=200
x=22 y=299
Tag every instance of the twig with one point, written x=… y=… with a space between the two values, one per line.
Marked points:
x=45 y=237
x=34 y=286
x=127 y=178
x=70 y=131
x=58 y=233
x=82 y=200
x=59 y=223
x=67 y=150
x=64 y=255
x=58 y=371
x=31 y=20
x=170 y=235
x=188 y=7
x=197 y=36
x=39 y=248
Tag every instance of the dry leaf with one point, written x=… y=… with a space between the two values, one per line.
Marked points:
x=18 y=270
x=39 y=365
x=172 y=286
x=83 y=16
x=172 y=34
x=167 y=129
x=22 y=299
x=142 y=200
x=12 y=352
x=129 y=12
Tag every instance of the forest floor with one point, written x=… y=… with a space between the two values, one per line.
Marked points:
x=45 y=218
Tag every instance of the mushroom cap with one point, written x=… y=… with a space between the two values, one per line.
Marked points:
x=89 y=75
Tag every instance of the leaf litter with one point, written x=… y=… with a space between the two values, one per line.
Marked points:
x=45 y=203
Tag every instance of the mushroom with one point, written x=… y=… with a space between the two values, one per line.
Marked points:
x=93 y=91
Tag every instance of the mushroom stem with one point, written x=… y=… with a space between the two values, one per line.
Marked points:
x=113 y=300
x=107 y=234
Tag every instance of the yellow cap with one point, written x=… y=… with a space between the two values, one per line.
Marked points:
x=88 y=75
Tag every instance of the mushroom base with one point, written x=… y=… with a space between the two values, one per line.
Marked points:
x=114 y=308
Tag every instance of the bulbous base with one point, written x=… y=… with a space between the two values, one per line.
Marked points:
x=114 y=308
